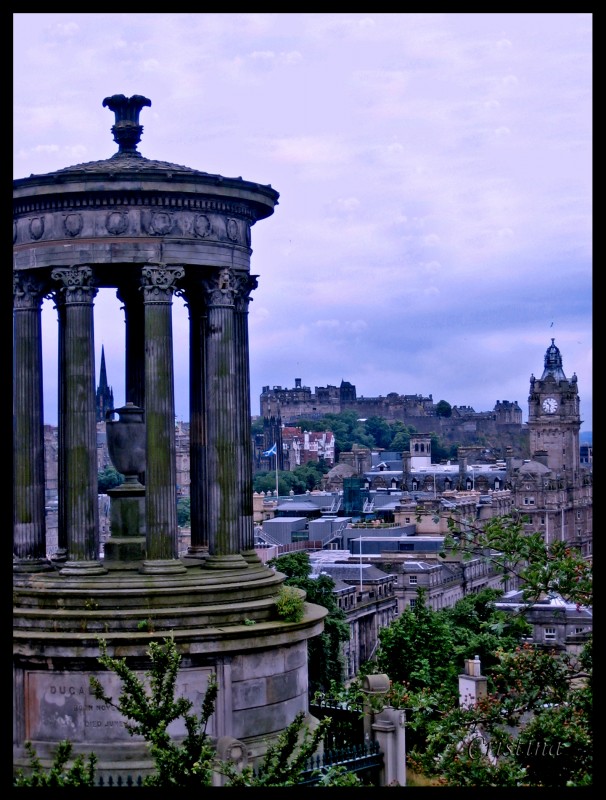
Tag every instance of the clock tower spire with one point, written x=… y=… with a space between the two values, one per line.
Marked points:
x=554 y=419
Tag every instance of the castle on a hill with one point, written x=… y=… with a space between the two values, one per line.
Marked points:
x=500 y=427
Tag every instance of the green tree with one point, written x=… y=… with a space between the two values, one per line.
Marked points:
x=443 y=409
x=184 y=512
x=324 y=656
x=441 y=451
x=79 y=774
x=416 y=649
x=380 y=430
x=478 y=628
x=191 y=762
x=108 y=478
x=400 y=442
x=535 y=727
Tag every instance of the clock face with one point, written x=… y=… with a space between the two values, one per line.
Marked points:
x=550 y=405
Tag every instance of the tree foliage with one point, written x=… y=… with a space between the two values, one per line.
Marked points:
x=300 y=480
x=184 y=512
x=416 y=648
x=191 y=763
x=535 y=726
x=541 y=569
x=81 y=772
x=443 y=409
x=375 y=432
x=109 y=478
x=151 y=711
x=325 y=660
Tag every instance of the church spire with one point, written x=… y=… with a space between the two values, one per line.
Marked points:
x=105 y=395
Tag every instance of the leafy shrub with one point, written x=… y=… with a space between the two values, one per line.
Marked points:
x=290 y=604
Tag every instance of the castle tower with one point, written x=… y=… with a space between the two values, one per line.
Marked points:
x=554 y=419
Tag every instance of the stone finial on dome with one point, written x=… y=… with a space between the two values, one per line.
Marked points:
x=127 y=131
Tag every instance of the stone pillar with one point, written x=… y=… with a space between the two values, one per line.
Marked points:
x=223 y=424
x=389 y=732
x=78 y=421
x=29 y=528
x=134 y=346
x=161 y=472
x=245 y=285
x=198 y=487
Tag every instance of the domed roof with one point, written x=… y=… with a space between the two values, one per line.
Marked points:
x=534 y=468
x=128 y=166
x=341 y=471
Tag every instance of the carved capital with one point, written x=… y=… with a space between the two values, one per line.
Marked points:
x=245 y=284
x=221 y=288
x=159 y=283
x=76 y=283
x=27 y=292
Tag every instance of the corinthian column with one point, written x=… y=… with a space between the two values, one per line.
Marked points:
x=158 y=284
x=29 y=529
x=245 y=285
x=223 y=424
x=198 y=487
x=78 y=421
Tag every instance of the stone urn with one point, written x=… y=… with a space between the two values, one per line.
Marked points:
x=126 y=441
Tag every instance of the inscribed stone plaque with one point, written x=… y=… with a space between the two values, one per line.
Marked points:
x=61 y=705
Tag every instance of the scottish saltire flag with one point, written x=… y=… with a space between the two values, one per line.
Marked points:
x=271 y=452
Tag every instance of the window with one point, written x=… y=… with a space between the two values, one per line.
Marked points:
x=413 y=603
x=529 y=501
x=578 y=515
x=579 y=630
x=407 y=519
x=550 y=634
x=413 y=580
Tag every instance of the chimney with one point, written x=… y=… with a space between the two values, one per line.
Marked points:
x=473 y=686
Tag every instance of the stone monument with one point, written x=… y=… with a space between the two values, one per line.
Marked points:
x=151 y=230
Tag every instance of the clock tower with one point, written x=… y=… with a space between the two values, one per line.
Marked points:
x=554 y=420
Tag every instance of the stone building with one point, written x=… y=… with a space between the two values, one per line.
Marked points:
x=502 y=425
x=150 y=230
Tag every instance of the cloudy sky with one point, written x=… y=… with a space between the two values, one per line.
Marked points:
x=434 y=226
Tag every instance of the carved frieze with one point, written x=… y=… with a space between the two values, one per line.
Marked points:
x=202 y=226
x=161 y=223
x=36 y=227
x=211 y=225
x=116 y=222
x=73 y=224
